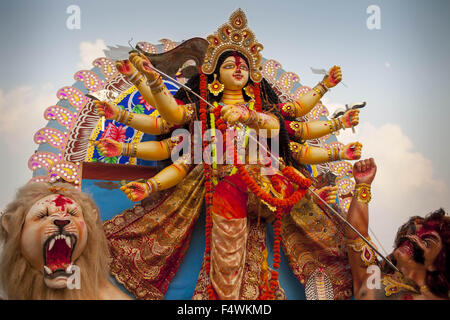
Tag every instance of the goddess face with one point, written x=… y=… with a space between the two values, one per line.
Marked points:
x=54 y=235
x=234 y=73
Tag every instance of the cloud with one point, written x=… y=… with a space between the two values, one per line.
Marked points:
x=89 y=51
x=21 y=110
x=406 y=183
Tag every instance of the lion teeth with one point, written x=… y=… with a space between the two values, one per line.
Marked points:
x=48 y=270
x=52 y=242
x=68 y=242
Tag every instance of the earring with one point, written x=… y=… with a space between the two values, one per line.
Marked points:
x=250 y=91
x=216 y=86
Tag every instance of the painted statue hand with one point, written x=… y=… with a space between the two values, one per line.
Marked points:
x=333 y=77
x=328 y=194
x=125 y=67
x=364 y=171
x=351 y=151
x=350 y=118
x=136 y=191
x=233 y=114
x=143 y=65
x=109 y=147
x=107 y=110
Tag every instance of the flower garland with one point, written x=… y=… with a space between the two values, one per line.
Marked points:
x=208 y=185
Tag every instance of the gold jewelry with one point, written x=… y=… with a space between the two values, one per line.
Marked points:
x=330 y=158
x=333 y=154
x=368 y=256
x=157 y=85
x=188 y=111
x=130 y=117
x=296 y=149
x=362 y=192
x=149 y=186
x=424 y=289
x=234 y=36
x=324 y=86
x=215 y=87
x=131 y=78
x=172 y=142
x=154 y=81
x=289 y=109
x=139 y=81
x=124 y=116
x=154 y=184
x=297 y=127
x=129 y=149
x=252 y=118
x=249 y=90
x=395 y=283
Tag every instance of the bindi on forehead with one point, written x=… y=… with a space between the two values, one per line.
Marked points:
x=62 y=201
x=237 y=59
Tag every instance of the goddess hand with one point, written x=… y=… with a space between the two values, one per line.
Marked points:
x=136 y=191
x=125 y=67
x=328 y=194
x=333 y=77
x=109 y=147
x=107 y=110
x=233 y=114
x=143 y=65
x=364 y=171
x=350 y=118
x=351 y=151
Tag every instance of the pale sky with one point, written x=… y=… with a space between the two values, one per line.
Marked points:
x=401 y=71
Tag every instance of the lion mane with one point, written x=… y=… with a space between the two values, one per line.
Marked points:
x=19 y=280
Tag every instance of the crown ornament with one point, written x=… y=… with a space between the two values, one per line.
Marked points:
x=234 y=36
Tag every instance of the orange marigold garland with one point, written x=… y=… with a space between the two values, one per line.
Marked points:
x=257 y=93
x=208 y=185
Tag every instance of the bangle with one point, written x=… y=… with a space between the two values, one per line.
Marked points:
x=129 y=149
x=188 y=111
x=318 y=90
x=154 y=184
x=149 y=186
x=131 y=78
x=152 y=83
x=363 y=193
x=139 y=81
x=130 y=117
x=251 y=118
x=368 y=256
x=324 y=86
x=333 y=154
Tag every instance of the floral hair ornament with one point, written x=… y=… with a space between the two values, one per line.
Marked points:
x=56 y=189
x=234 y=36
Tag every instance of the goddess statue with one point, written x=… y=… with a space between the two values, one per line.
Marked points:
x=239 y=198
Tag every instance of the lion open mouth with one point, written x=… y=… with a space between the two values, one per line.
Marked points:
x=58 y=250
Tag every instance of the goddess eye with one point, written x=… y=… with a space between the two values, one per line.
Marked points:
x=228 y=66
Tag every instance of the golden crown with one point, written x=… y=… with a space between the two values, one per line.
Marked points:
x=234 y=36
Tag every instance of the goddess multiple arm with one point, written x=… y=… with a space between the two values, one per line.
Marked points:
x=138 y=70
